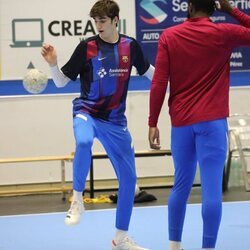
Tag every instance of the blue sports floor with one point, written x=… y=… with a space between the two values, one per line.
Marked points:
x=95 y=232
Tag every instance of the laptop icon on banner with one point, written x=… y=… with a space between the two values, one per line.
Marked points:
x=27 y=33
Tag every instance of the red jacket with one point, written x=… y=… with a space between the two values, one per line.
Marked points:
x=194 y=57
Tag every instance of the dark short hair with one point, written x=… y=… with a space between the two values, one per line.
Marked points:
x=107 y=8
x=207 y=6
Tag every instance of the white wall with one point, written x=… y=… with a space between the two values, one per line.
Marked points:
x=42 y=125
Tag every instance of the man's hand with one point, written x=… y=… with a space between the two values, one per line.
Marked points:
x=49 y=54
x=154 y=138
x=224 y=6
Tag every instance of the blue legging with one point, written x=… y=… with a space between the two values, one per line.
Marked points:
x=205 y=143
x=118 y=144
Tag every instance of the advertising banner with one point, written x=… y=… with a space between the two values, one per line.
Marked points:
x=153 y=16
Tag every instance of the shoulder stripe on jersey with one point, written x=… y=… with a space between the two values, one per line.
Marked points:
x=92 y=49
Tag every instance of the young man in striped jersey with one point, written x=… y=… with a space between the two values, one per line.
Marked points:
x=104 y=64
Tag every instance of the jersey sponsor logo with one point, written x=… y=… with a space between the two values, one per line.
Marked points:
x=158 y=15
x=101 y=72
x=112 y=72
x=118 y=72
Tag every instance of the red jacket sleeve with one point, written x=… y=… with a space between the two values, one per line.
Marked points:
x=243 y=18
x=159 y=82
x=237 y=35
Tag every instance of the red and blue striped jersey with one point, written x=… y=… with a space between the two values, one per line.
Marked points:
x=104 y=70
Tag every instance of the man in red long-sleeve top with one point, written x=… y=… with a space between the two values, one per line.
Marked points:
x=194 y=57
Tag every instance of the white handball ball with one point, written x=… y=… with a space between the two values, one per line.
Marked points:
x=35 y=81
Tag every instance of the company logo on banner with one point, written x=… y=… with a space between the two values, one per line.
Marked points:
x=151 y=20
x=153 y=16
x=29 y=33
x=158 y=15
